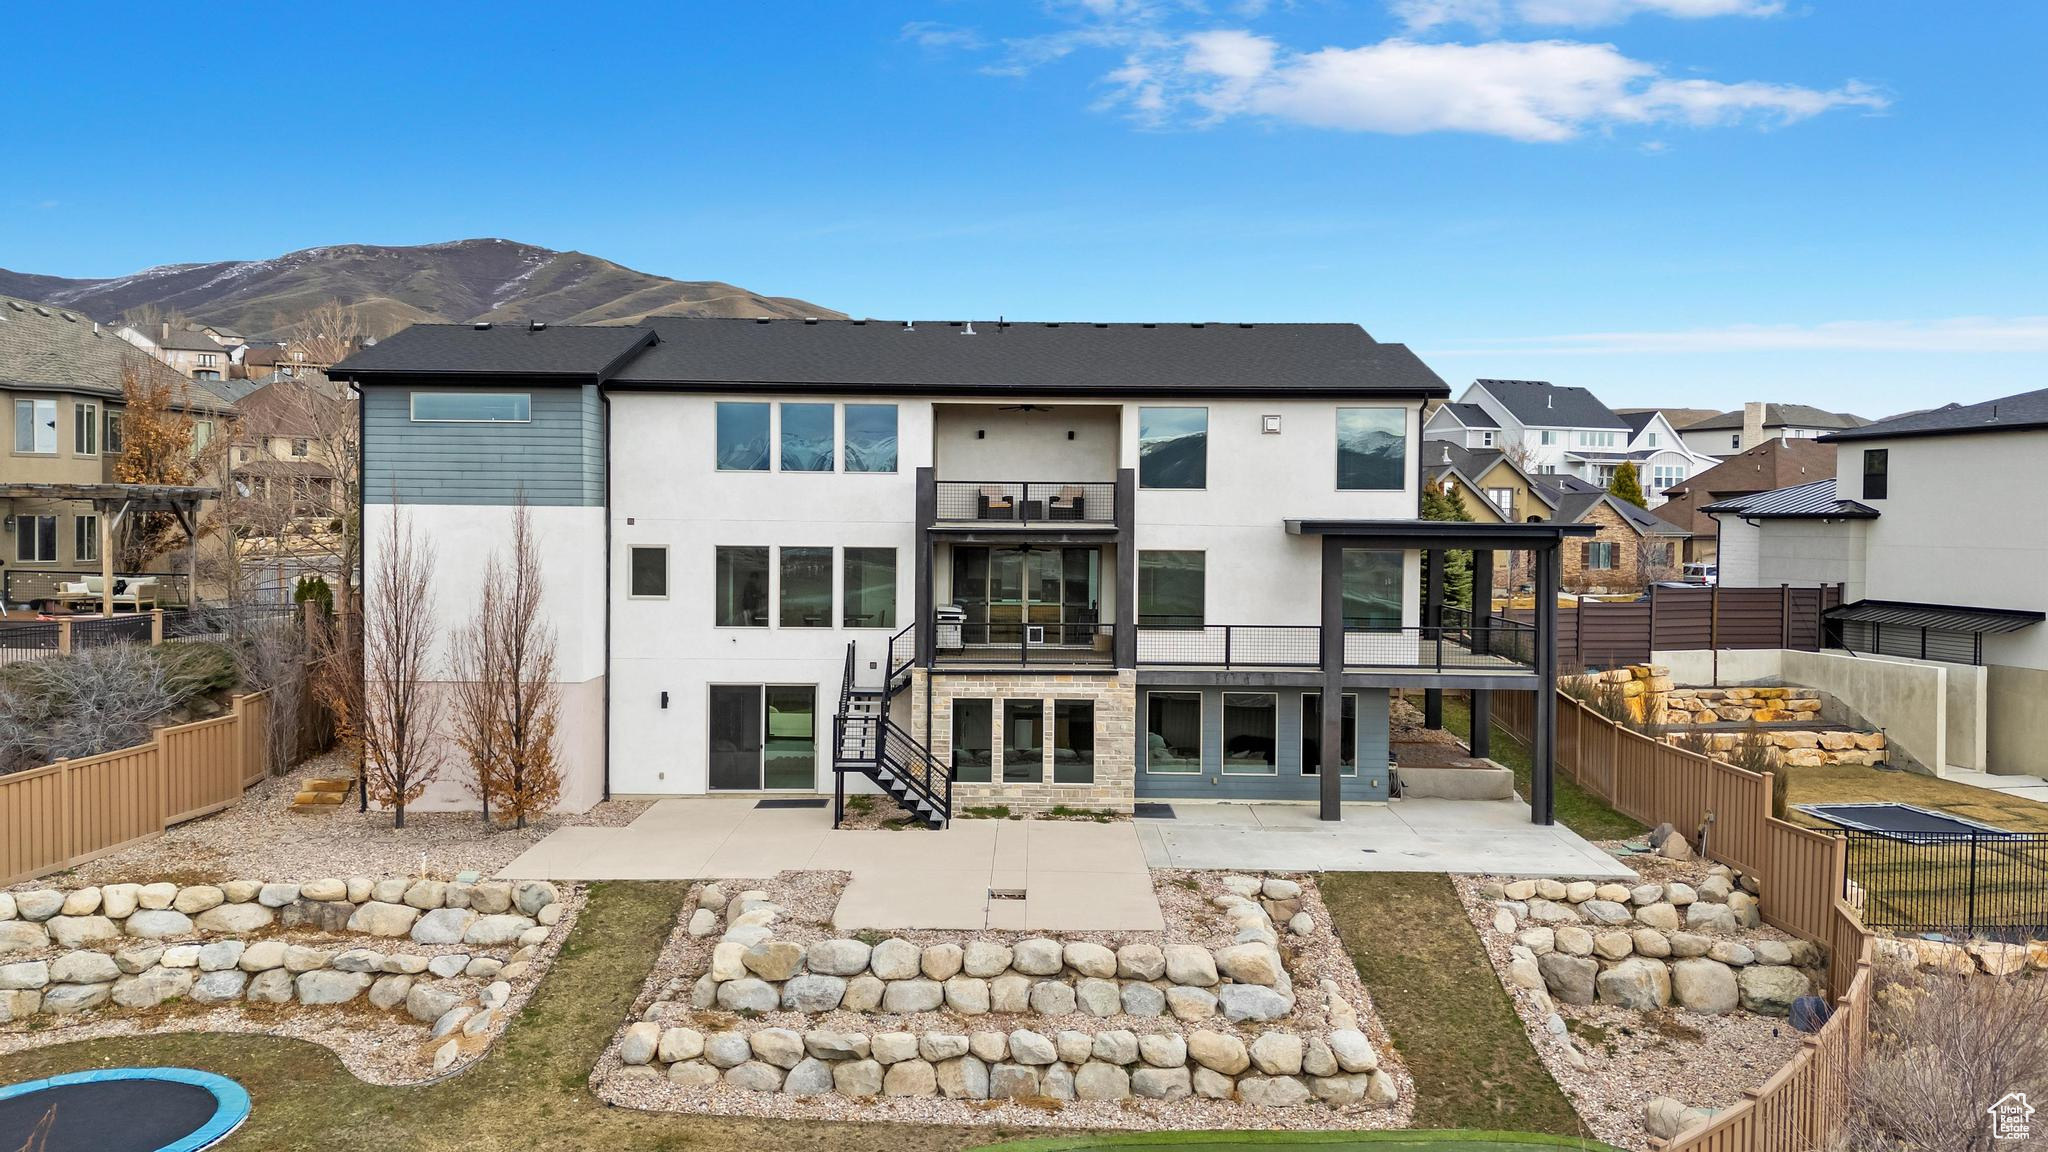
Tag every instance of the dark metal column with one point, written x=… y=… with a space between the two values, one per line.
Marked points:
x=1125 y=644
x=1543 y=753
x=1432 y=622
x=1481 y=739
x=1482 y=723
x=927 y=620
x=1330 y=780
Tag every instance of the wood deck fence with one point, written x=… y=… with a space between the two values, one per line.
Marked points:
x=1607 y=634
x=1801 y=875
x=62 y=815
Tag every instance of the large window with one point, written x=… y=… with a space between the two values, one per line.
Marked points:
x=870 y=437
x=1877 y=480
x=472 y=407
x=1173 y=447
x=649 y=573
x=112 y=441
x=35 y=426
x=1023 y=741
x=1596 y=554
x=742 y=436
x=1173 y=733
x=806 y=588
x=1073 y=742
x=1372 y=589
x=1251 y=734
x=86 y=538
x=763 y=736
x=740 y=584
x=1312 y=735
x=973 y=740
x=85 y=428
x=35 y=539
x=807 y=437
x=1170 y=592
x=1372 y=449
x=870 y=588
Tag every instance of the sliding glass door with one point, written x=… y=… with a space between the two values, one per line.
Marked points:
x=763 y=737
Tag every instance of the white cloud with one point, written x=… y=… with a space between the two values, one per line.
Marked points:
x=1545 y=90
x=1964 y=334
x=1490 y=15
x=937 y=37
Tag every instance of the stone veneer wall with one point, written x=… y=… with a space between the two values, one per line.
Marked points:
x=1115 y=696
x=1652 y=698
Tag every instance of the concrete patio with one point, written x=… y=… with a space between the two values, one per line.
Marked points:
x=1073 y=875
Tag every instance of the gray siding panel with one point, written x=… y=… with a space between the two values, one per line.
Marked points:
x=1289 y=783
x=556 y=459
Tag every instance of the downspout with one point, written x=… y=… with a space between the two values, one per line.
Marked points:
x=605 y=733
x=362 y=558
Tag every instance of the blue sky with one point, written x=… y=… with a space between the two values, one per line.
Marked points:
x=1686 y=202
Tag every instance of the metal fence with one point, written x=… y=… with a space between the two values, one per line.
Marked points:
x=1012 y=502
x=229 y=621
x=1988 y=884
x=27 y=640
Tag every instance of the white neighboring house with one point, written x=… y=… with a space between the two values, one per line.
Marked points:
x=193 y=353
x=1746 y=427
x=1029 y=564
x=1553 y=429
x=1931 y=524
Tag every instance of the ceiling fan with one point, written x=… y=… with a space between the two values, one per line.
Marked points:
x=1022 y=408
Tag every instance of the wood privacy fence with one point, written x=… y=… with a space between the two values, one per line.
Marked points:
x=1607 y=634
x=62 y=815
x=1801 y=875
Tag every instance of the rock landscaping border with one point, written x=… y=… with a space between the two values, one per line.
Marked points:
x=1237 y=1016
x=404 y=977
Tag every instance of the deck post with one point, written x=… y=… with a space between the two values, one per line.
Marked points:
x=1125 y=631
x=927 y=620
x=1330 y=780
x=1432 y=624
x=1543 y=748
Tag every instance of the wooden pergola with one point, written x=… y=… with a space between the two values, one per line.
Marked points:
x=114 y=503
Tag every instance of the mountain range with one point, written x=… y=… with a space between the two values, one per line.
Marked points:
x=392 y=286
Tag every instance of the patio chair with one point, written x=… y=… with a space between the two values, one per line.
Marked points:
x=1070 y=504
x=994 y=503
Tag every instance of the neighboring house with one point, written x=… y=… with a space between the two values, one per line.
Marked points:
x=1678 y=418
x=1632 y=547
x=1080 y=564
x=224 y=336
x=283 y=466
x=193 y=353
x=61 y=378
x=1755 y=422
x=1495 y=490
x=1938 y=562
x=1771 y=465
x=1552 y=429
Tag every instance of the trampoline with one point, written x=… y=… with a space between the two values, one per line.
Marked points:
x=122 y=1110
x=1908 y=822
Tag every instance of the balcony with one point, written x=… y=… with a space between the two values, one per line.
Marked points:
x=1496 y=647
x=1005 y=504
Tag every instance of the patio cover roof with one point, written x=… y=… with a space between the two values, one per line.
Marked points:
x=1937 y=617
x=138 y=497
x=1435 y=534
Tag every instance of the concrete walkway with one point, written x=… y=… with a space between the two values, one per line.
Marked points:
x=2024 y=787
x=1073 y=875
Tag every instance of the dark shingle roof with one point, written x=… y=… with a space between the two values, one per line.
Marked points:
x=2026 y=411
x=1637 y=421
x=586 y=352
x=47 y=347
x=1781 y=416
x=1575 y=498
x=184 y=341
x=1541 y=404
x=1031 y=357
x=1811 y=501
x=1472 y=415
x=680 y=352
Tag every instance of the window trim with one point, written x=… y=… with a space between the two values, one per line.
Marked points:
x=846 y=600
x=1201 y=732
x=771 y=443
x=85 y=425
x=1202 y=618
x=827 y=621
x=1052 y=739
x=85 y=545
x=832 y=437
x=1204 y=410
x=1401 y=473
x=1882 y=457
x=1223 y=761
x=112 y=434
x=34 y=423
x=1000 y=757
x=953 y=736
x=845 y=461
x=768 y=592
x=666 y=584
x=1606 y=548
x=1357 y=732
x=23 y=532
x=412 y=406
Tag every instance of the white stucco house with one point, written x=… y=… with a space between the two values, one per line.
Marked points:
x=1553 y=429
x=1757 y=422
x=1029 y=564
x=1929 y=527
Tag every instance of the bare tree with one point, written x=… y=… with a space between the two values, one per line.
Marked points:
x=101 y=700
x=399 y=725
x=275 y=657
x=1944 y=1049
x=323 y=337
x=295 y=497
x=477 y=669
x=507 y=701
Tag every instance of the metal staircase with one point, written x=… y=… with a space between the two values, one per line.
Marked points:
x=866 y=741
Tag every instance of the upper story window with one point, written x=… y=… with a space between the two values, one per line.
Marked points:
x=202 y=435
x=35 y=427
x=1735 y=441
x=1170 y=588
x=648 y=569
x=112 y=440
x=35 y=539
x=300 y=447
x=807 y=440
x=739 y=588
x=1372 y=589
x=85 y=428
x=472 y=407
x=1372 y=449
x=203 y=374
x=1876 y=473
x=1549 y=436
x=1503 y=499
x=742 y=436
x=1486 y=439
x=1173 y=447
x=209 y=359
x=870 y=437
x=1650 y=440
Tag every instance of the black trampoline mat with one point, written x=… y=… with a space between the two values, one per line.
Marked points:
x=108 y=1116
x=1899 y=819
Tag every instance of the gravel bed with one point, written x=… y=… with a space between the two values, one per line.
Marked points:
x=262 y=836
x=377 y=1046
x=809 y=898
x=1626 y=1059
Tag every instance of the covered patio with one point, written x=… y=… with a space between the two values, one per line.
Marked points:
x=114 y=504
